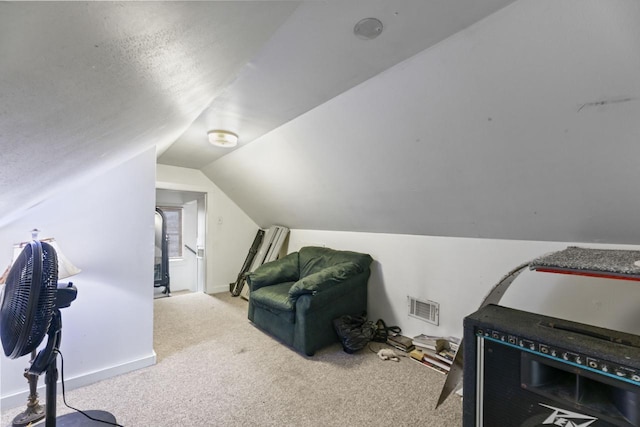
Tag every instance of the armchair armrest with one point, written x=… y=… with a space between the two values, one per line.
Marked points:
x=324 y=279
x=282 y=270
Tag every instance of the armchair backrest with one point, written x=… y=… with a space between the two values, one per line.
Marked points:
x=313 y=259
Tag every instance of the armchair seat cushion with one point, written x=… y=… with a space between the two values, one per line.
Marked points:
x=276 y=299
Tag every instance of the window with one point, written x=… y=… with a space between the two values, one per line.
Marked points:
x=173 y=217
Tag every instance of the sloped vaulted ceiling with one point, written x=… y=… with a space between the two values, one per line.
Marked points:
x=463 y=118
x=315 y=56
x=523 y=126
x=87 y=85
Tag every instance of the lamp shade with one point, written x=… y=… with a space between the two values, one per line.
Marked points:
x=65 y=267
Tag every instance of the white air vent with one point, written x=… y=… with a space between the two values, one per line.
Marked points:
x=429 y=311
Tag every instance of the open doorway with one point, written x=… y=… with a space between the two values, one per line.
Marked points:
x=185 y=213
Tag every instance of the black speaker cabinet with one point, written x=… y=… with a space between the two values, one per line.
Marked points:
x=527 y=370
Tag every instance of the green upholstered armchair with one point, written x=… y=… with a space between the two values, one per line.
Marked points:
x=296 y=298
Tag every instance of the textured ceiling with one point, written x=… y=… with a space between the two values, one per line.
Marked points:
x=524 y=126
x=461 y=119
x=315 y=56
x=87 y=85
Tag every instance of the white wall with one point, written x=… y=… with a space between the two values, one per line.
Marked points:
x=105 y=226
x=459 y=272
x=230 y=231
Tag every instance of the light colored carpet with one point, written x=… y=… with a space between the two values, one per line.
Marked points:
x=216 y=369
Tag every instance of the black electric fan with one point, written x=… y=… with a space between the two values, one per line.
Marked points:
x=29 y=310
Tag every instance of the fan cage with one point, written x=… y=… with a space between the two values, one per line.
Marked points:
x=29 y=300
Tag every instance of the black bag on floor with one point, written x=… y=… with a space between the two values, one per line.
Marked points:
x=354 y=332
x=383 y=331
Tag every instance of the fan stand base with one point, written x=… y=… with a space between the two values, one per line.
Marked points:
x=76 y=419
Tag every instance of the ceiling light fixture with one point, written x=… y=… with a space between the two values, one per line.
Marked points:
x=368 y=28
x=223 y=138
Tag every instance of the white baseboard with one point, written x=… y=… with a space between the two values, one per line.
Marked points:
x=20 y=398
x=219 y=289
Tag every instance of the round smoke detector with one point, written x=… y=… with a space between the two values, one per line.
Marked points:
x=368 y=28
